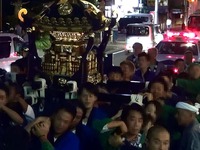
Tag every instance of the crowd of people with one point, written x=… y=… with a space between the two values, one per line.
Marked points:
x=163 y=115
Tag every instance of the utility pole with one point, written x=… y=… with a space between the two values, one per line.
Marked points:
x=185 y=12
x=156 y=12
x=1 y=16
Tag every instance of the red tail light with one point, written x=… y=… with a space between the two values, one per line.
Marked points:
x=183 y=35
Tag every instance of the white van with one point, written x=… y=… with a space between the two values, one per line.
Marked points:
x=147 y=34
x=10 y=47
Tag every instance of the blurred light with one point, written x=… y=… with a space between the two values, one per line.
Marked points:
x=169 y=56
x=170 y=34
x=189 y=35
x=189 y=44
x=175 y=70
x=169 y=22
x=193 y=59
x=14 y=54
x=128 y=47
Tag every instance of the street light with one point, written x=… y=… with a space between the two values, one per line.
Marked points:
x=156 y=12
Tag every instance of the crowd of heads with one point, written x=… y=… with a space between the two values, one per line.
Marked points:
x=129 y=124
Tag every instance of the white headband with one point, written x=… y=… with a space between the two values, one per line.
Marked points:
x=186 y=106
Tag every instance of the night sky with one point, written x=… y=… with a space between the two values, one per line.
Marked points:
x=8 y=10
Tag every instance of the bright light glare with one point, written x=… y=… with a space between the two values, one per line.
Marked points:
x=169 y=56
x=189 y=35
x=189 y=44
x=170 y=34
x=175 y=70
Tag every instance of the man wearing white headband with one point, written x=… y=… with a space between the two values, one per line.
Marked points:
x=186 y=117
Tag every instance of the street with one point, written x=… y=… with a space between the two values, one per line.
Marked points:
x=115 y=52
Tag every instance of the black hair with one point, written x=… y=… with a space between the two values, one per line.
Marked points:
x=128 y=63
x=132 y=107
x=178 y=60
x=138 y=44
x=143 y=54
x=66 y=106
x=90 y=87
x=159 y=80
x=19 y=89
x=19 y=63
x=115 y=69
x=168 y=73
x=78 y=104
x=4 y=88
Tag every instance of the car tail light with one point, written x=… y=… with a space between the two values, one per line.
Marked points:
x=183 y=35
x=170 y=34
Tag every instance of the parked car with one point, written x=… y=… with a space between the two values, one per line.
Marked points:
x=149 y=35
x=10 y=48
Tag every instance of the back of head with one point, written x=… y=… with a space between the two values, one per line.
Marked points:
x=115 y=69
x=16 y=67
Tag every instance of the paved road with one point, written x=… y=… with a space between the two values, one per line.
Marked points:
x=115 y=52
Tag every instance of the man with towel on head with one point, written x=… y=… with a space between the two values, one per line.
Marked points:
x=186 y=117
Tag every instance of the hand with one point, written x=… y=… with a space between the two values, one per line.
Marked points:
x=115 y=140
x=38 y=120
x=41 y=129
x=169 y=94
x=148 y=95
x=148 y=126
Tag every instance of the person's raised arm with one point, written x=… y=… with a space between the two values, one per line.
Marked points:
x=14 y=116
